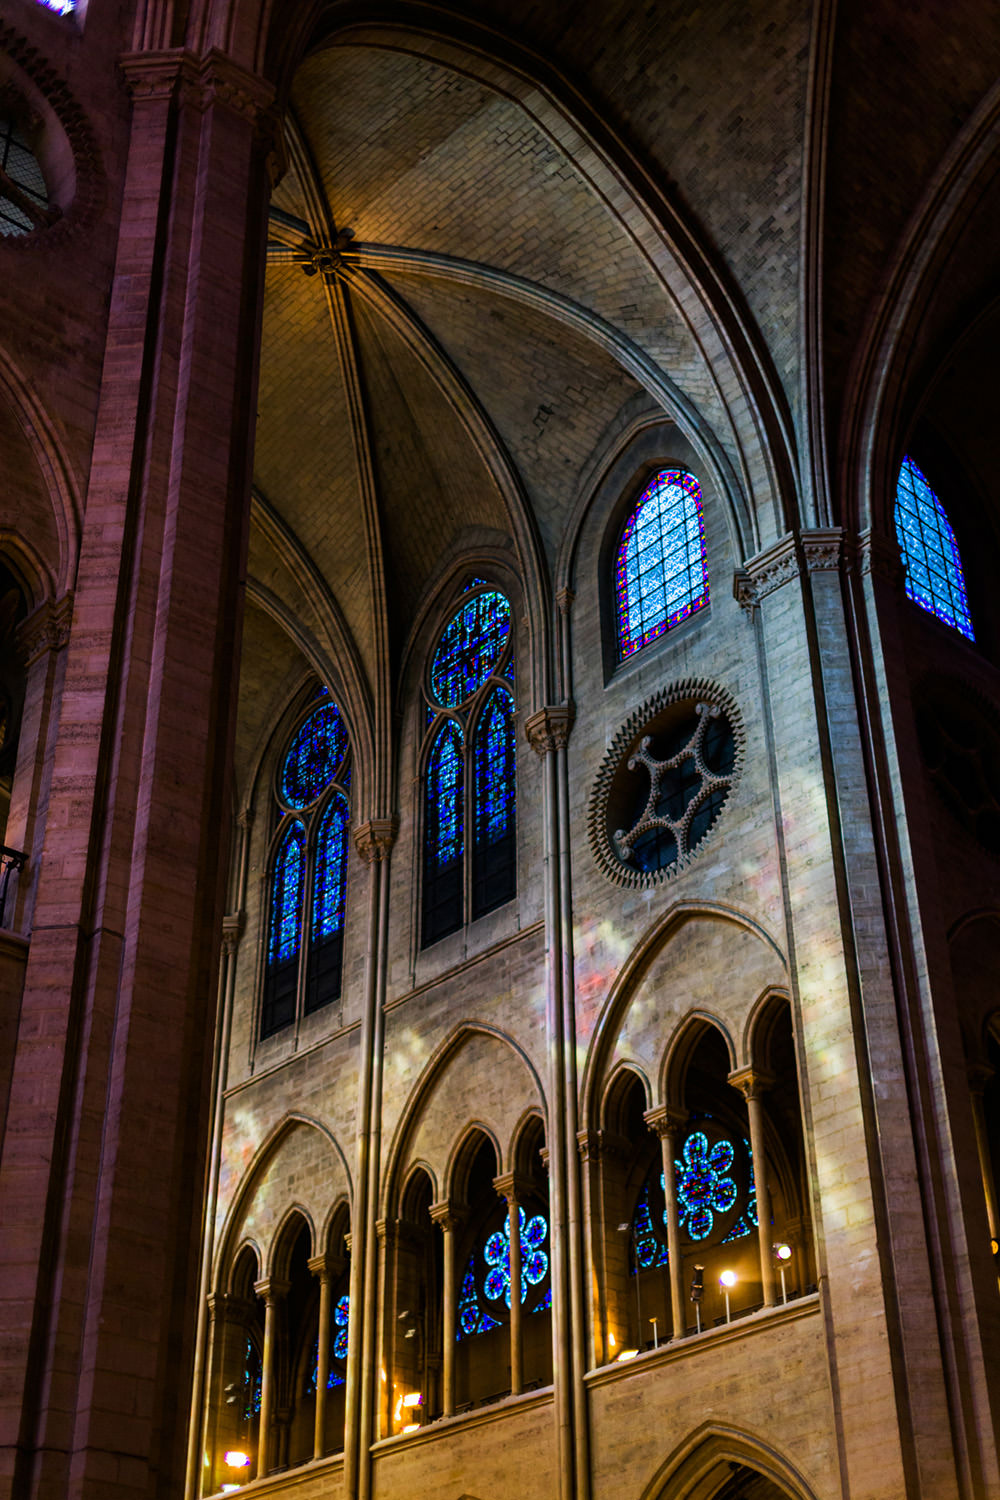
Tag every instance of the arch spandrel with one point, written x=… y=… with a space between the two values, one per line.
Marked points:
x=478 y=1080
x=696 y=963
x=299 y=1169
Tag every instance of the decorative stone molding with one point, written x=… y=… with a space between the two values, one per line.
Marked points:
x=752 y=1083
x=564 y=600
x=328 y=1265
x=824 y=549
x=446 y=1215
x=512 y=1186
x=880 y=557
x=374 y=839
x=771 y=569
x=214 y=79
x=47 y=628
x=272 y=1288
x=323 y=260
x=232 y=931
x=697 y=691
x=549 y=728
x=665 y=1120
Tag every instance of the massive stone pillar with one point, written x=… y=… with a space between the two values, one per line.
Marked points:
x=103 y=1166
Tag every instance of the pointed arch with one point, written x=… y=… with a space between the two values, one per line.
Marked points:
x=707 y=1454
x=683 y=1043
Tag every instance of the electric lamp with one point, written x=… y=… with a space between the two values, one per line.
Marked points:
x=726 y=1280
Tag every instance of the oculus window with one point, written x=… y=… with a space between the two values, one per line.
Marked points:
x=469 y=757
x=307 y=891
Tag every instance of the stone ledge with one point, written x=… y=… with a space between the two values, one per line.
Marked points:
x=445 y=1426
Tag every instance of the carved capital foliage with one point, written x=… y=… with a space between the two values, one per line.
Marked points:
x=46 y=628
x=752 y=1083
x=513 y=1187
x=374 y=839
x=824 y=549
x=272 y=1289
x=549 y=728
x=564 y=600
x=232 y=930
x=771 y=569
x=207 y=82
x=665 y=1121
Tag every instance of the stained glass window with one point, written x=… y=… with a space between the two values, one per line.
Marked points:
x=485 y=1292
x=494 y=851
x=471 y=765
x=934 y=576
x=326 y=951
x=24 y=198
x=470 y=648
x=311 y=856
x=444 y=833
x=285 y=930
x=313 y=757
x=716 y=1196
x=252 y=1372
x=61 y=7
x=338 y=1349
x=661 y=573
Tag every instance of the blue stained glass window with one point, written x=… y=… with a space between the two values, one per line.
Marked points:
x=252 y=1374
x=709 y=1178
x=444 y=834
x=934 y=576
x=338 y=1348
x=486 y=1287
x=313 y=757
x=331 y=870
x=470 y=649
x=494 y=811
x=661 y=572
x=61 y=7
x=286 y=904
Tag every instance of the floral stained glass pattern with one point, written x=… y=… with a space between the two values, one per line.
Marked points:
x=661 y=572
x=934 y=576
x=486 y=1286
x=470 y=649
x=704 y=1185
x=313 y=757
x=709 y=1177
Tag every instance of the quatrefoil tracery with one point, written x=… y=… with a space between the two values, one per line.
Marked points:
x=653 y=817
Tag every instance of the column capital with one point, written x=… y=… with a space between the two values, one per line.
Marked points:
x=272 y=1289
x=879 y=555
x=374 y=839
x=752 y=1083
x=209 y=80
x=549 y=728
x=226 y=1306
x=326 y=1265
x=446 y=1215
x=513 y=1186
x=665 y=1120
x=232 y=930
x=45 y=629
x=564 y=600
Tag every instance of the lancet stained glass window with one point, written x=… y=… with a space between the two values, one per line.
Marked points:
x=494 y=851
x=661 y=572
x=485 y=1292
x=252 y=1375
x=470 y=776
x=308 y=887
x=338 y=1349
x=24 y=198
x=326 y=948
x=934 y=576
x=715 y=1192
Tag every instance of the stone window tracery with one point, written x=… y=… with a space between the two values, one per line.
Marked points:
x=24 y=197
x=716 y=1195
x=470 y=799
x=661 y=570
x=934 y=576
x=308 y=884
x=485 y=1291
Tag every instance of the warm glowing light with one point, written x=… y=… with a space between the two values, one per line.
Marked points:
x=236 y=1459
x=611 y=1341
x=728 y=1278
x=783 y=1252
x=412 y=1398
x=627 y=1354
x=412 y=1427
x=227 y=1489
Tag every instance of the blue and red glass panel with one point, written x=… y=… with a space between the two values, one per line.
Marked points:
x=661 y=571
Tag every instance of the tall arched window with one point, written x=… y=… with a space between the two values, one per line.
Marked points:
x=470 y=766
x=934 y=576
x=308 y=872
x=661 y=573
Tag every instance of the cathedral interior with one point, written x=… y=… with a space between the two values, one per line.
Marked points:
x=499 y=750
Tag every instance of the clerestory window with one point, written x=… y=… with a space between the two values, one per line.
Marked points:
x=934 y=576
x=308 y=872
x=661 y=572
x=469 y=758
